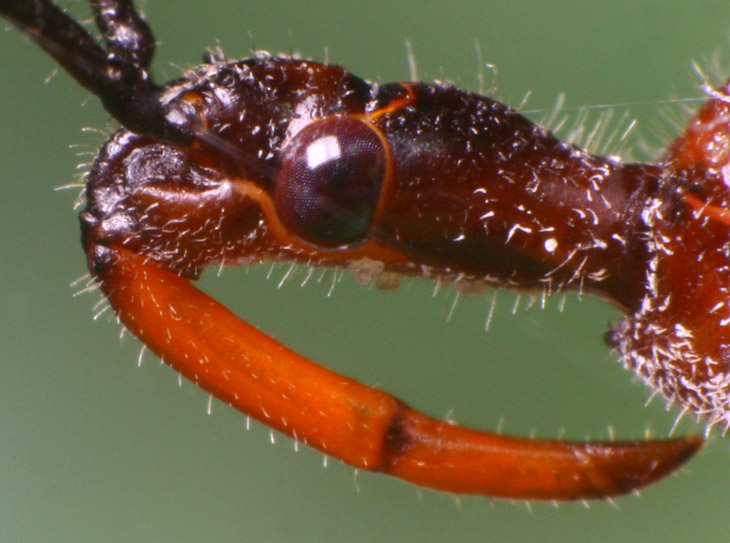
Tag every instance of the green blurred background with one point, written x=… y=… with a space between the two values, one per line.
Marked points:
x=93 y=448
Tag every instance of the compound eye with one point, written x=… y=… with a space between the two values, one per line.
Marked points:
x=328 y=186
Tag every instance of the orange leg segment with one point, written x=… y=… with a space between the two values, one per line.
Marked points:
x=360 y=425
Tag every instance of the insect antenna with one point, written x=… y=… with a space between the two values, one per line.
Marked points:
x=119 y=76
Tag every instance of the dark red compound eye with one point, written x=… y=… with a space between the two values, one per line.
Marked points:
x=329 y=183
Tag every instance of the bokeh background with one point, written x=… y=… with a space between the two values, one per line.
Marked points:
x=95 y=448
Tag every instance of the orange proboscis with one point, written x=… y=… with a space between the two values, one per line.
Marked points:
x=357 y=424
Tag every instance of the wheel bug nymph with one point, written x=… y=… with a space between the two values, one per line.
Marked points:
x=281 y=159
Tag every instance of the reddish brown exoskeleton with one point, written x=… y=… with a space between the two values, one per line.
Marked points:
x=275 y=158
